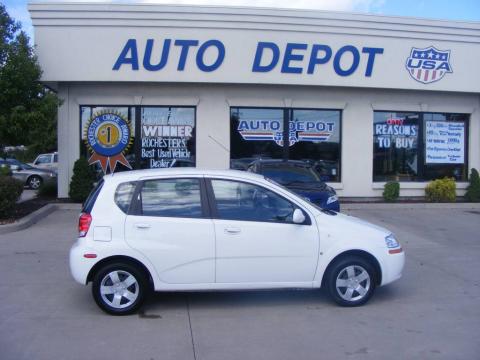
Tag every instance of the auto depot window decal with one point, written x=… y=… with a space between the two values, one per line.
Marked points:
x=309 y=135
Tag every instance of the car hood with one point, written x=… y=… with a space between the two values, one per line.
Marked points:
x=352 y=223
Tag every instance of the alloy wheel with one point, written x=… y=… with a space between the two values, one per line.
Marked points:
x=353 y=283
x=119 y=289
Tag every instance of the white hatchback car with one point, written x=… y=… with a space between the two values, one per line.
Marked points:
x=190 y=229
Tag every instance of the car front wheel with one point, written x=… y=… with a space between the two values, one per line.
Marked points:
x=34 y=182
x=119 y=289
x=351 y=281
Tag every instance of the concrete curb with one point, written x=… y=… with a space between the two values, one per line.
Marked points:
x=402 y=206
x=28 y=220
x=37 y=215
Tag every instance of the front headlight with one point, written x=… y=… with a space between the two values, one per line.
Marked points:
x=391 y=242
x=332 y=199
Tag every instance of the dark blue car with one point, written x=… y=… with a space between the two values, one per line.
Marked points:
x=300 y=177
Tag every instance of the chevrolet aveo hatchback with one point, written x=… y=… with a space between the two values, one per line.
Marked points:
x=188 y=229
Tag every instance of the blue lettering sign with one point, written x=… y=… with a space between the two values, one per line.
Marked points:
x=147 y=57
x=185 y=44
x=338 y=56
x=130 y=47
x=257 y=67
x=314 y=59
x=371 y=58
x=289 y=56
x=295 y=59
x=221 y=55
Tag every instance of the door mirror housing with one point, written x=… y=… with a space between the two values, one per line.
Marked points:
x=298 y=216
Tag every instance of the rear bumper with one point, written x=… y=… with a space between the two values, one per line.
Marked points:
x=79 y=265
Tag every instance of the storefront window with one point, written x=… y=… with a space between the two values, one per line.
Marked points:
x=167 y=137
x=316 y=139
x=311 y=136
x=419 y=146
x=395 y=143
x=87 y=113
x=255 y=134
x=445 y=138
x=160 y=137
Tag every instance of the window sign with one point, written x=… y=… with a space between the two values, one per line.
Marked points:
x=394 y=132
x=444 y=142
x=167 y=137
x=395 y=140
x=313 y=137
x=419 y=146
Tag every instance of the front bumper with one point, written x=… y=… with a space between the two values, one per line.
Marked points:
x=392 y=268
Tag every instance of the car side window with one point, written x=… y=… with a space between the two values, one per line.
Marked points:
x=124 y=194
x=171 y=198
x=43 y=159
x=243 y=201
x=55 y=158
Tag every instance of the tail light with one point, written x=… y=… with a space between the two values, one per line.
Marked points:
x=84 y=222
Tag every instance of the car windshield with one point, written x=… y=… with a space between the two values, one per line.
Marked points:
x=18 y=163
x=290 y=174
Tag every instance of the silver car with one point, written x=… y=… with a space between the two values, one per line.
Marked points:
x=30 y=176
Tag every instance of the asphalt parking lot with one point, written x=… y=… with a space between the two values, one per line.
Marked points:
x=433 y=312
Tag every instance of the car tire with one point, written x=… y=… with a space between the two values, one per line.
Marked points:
x=119 y=288
x=351 y=281
x=34 y=182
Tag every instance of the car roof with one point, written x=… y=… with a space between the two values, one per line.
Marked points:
x=147 y=173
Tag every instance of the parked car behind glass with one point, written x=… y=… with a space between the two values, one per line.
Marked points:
x=46 y=161
x=30 y=176
x=300 y=177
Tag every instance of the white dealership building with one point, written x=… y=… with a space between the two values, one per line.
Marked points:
x=364 y=99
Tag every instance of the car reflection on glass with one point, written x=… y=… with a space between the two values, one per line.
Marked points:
x=300 y=177
x=30 y=176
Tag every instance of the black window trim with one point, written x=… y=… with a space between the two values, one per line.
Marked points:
x=136 y=205
x=214 y=210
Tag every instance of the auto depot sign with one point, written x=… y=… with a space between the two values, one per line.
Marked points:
x=132 y=48
x=294 y=58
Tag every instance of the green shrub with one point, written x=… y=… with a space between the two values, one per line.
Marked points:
x=82 y=180
x=10 y=191
x=391 y=191
x=441 y=190
x=48 y=189
x=473 y=190
x=5 y=171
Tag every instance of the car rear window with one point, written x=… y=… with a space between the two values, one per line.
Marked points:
x=88 y=204
x=124 y=194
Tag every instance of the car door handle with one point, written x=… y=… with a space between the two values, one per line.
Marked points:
x=142 y=226
x=232 y=230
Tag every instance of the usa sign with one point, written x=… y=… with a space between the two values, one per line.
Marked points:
x=429 y=64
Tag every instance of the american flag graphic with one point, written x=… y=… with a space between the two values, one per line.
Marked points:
x=429 y=64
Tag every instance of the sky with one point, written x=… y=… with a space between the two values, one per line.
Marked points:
x=463 y=10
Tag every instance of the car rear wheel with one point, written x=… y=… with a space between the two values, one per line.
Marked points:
x=34 y=182
x=119 y=289
x=351 y=281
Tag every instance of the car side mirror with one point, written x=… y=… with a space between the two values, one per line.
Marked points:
x=298 y=216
